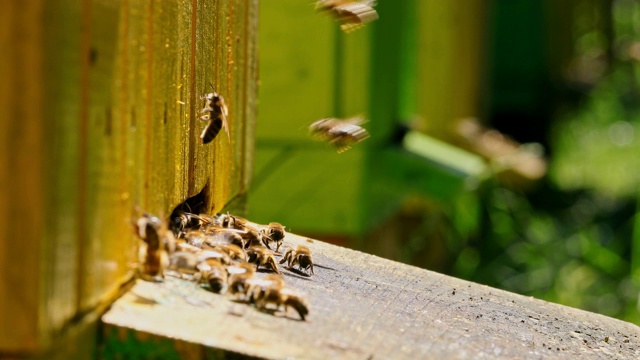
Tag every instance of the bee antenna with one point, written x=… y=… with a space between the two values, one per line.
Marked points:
x=212 y=89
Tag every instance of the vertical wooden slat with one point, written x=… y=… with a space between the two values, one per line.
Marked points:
x=22 y=176
x=61 y=234
x=102 y=264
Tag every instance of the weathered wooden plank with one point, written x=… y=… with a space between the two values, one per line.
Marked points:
x=103 y=106
x=361 y=306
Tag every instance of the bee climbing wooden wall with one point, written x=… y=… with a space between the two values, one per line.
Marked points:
x=101 y=113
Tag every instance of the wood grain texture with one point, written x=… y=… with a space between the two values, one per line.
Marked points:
x=103 y=106
x=22 y=175
x=361 y=307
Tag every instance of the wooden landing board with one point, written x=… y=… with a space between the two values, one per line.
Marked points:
x=361 y=306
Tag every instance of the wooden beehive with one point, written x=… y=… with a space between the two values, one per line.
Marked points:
x=100 y=113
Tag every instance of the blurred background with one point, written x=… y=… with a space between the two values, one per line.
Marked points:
x=502 y=150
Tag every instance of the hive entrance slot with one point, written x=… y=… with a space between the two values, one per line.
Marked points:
x=197 y=204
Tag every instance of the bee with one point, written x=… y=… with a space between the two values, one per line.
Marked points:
x=215 y=112
x=231 y=222
x=183 y=262
x=290 y=298
x=339 y=133
x=253 y=237
x=261 y=292
x=235 y=252
x=213 y=273
x=195 y=238
x=221 y=256
x=222 y=236
x=182 y=245
x=271 y=291
x=238 y=278
x=157 y=240
x=184 y=221
x=351 y=14
x=274 y=232
x=300 y=256
x=262 y=257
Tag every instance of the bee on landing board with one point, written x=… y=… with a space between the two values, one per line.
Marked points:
x=215 y=112
x=301 y=256
x=272 y=291
x=260 y=256
x=212 y=272
x=340 y=133
x=351 y=14
x=239 y=275
x=274 y=232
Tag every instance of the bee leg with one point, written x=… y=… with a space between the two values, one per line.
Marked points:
x=272 y=264
x=312 y=272
x=286 y=256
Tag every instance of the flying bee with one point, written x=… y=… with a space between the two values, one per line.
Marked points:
x=300 y=256
x=215 y=112
x=351 y=14
x=213 y=273
x=340 y=133
x=275 y=232
x=260 y=256
x=157 y=240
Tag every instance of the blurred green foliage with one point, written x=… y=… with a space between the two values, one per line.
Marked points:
x=572 y=240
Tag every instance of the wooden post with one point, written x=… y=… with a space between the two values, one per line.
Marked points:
x=101 y=114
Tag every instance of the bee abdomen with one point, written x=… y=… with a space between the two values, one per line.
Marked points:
x=211 y=131
x=216 y=284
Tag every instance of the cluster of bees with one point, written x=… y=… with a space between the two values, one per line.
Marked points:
x=223 y=253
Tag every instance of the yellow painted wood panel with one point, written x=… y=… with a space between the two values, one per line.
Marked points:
x=298 y=66
x=450 y=62
x=21 y=174
x=112 y=93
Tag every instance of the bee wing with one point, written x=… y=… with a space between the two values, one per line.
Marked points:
x=355 y=120
x=203 y=266
x=220 y=237
x=234 y=270
x=259 y=282
x=225 y=124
